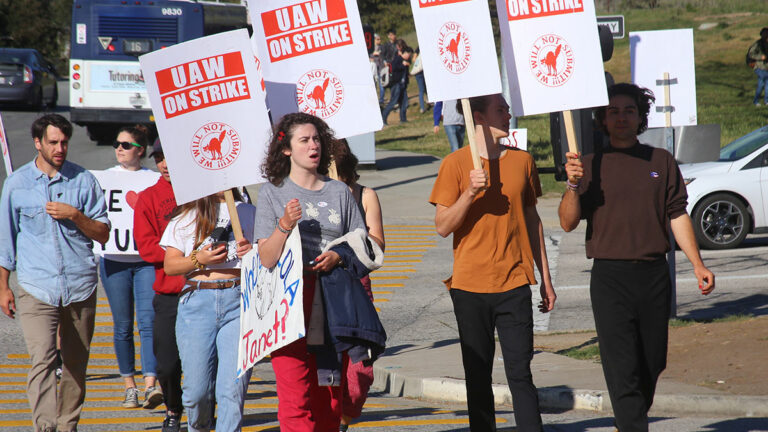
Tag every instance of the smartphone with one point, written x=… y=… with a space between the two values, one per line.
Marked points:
x=215 y=245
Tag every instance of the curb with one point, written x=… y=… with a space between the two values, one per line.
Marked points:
x=387 y=380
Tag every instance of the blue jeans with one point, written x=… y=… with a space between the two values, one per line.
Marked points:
x=129 y=286
x=422 y=89
x=762 y=83
x=399 y=95
x=455 y=135
x=208 y=333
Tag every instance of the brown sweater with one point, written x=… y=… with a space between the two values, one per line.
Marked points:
x=628 y=197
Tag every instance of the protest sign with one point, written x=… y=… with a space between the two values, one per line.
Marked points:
x=315 y=61
x=6 y=150
x=208 y=104
x=457 y=48
x=121 y=191
x=654 y=53
x=517 y=139
x=271 y=303
x=553 y=56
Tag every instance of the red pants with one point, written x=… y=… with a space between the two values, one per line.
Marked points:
x=303 y=405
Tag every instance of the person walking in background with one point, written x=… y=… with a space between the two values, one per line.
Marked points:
x=399 y=93
x=630 y=194
x=127 y=280
x=359 y=376
x=150 y=218
x=387 y=55
x=497 y=236
x=417 y=71
x=51 y=212
x=299 y=194
x=378 y=61
x=758 y=59
x=453 y=123
x=200 y=244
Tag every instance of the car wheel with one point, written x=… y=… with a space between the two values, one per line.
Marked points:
x=55 y=97
x=720 y=221
x=37 y=101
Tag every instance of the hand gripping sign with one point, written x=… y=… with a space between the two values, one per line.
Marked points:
x=208 y=103
x=271 y=304
x=315 y=61
x=121 y=191
x=553 y=57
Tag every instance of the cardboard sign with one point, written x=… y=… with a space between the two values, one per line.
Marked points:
x=271 y=304
x=208 y=103
x=457 y=48
x=552 y=52
x=6 y=150
x=315 y=61
x=652 y=54
x=121 y=191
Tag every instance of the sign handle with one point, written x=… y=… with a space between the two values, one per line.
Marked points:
x=233 y=217
x=570 y=132
x=470 y=124
x=667 y=101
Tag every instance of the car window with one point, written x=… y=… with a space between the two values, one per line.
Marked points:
x=745 y=145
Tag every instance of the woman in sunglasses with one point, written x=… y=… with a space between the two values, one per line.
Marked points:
x=128 y=280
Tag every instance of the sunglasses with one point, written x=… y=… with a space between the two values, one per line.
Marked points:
x=125 y=145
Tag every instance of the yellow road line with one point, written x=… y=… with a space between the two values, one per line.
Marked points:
x=378 y=278
x=97 y=356
x=389 y=260
x=396 y=285
x=396 y=271
x=380 y=300
x=14 y=366
x=381 y=292
x=407 y=249
x=409 y=226
x=110 y=334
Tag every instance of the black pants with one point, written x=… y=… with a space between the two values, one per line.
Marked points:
x=630 y=301
x=511 y=314
x=166 y=351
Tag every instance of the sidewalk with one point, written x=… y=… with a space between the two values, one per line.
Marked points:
x=434 y=371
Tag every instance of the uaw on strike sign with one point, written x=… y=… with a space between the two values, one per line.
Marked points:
x=208 y=103
x=315 y=61
x=457 y=48
x=553 y=57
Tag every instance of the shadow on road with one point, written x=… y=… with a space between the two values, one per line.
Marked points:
x=756 y=305
x=393 y=162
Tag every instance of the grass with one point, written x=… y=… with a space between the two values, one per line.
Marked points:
x=724 y=84
x=678 y=322
x=586 y=352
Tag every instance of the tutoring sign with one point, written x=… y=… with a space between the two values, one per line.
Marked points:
x=271 y=304
x=457 y=48
x=552 y=52
x=121 y=191
x=315 y=61
x=208 y=102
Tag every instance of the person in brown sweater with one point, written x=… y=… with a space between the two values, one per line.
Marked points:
x=629 y=194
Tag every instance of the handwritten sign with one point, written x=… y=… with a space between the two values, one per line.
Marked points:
x=121 y=190
x=6 y=150
x=552 y=53
x=271 y=304
x=315 y=61
x=210 y=111
x=457 y=48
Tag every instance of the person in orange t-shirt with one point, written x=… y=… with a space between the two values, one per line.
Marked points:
x=497 y=238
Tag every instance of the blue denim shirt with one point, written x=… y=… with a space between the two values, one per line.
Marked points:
x=53 y=258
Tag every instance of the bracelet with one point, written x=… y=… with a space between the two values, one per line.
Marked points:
x=198 y=265
x=571 y=186
x=283 y=230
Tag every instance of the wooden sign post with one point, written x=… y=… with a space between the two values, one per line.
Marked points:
x=233 y=216
x=470 y=124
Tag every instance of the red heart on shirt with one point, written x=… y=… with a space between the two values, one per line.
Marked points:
x=131 y=197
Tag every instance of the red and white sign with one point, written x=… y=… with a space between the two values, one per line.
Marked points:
x=457 y=48
x=6 y=150
x=208 y=102
x=315 y=60
x=552 y=53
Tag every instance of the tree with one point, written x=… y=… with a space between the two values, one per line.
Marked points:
x=40 y=24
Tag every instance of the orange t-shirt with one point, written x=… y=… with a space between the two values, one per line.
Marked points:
x=491 y=250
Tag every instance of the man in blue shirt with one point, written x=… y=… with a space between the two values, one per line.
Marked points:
x=51 y=211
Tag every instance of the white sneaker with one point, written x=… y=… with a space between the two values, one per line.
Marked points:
x=131 y=398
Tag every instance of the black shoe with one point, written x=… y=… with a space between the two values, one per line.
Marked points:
x=343 y=427
x=172 y=423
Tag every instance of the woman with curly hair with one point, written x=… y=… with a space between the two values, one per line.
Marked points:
x=299 y=194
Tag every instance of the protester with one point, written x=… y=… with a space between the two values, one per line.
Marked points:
x=151 y=216
x=359 y=375
x=51 y=211
x=127 y=280
x=758 y=56
x=387 y=54
x=378 y=61
x=497 y=236
x=299 y=193
x=630 y=284
x=200 y=243
x=417 y=71
x=453 y=123
x=399 y=93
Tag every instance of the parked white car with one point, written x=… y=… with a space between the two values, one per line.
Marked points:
x=728 y=199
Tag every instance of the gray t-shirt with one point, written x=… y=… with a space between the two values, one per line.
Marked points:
x=326 y=214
